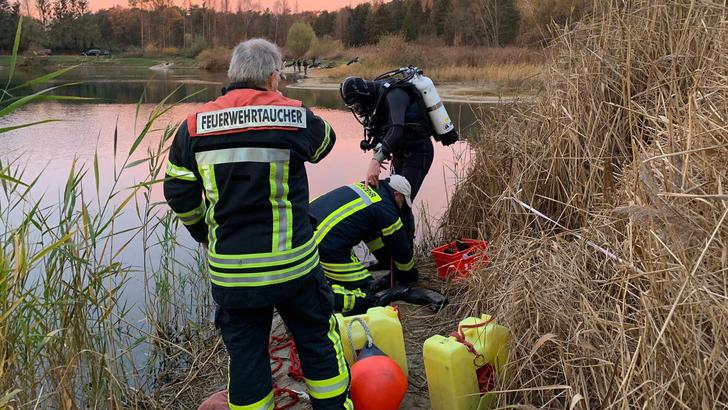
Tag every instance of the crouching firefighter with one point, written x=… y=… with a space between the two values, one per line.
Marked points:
x=236 y=179
x=354 y=213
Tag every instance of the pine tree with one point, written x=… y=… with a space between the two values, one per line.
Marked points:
x=440 y=11
x=508 y=19
x=376 y=23
x=357 y=25
x=409 y=25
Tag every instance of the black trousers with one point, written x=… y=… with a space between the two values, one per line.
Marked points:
x=352 y=298
x=307 y=311
x=413 y=162
x=349 y=279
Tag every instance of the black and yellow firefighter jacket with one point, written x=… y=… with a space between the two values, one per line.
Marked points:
x=354 y=213
x=236 y=179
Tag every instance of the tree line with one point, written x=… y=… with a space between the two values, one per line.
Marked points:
x=69 y=25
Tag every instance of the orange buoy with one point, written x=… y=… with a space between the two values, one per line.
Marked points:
x=377 y=383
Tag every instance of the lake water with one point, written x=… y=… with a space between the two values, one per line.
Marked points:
x=89 y=127
x=124 y=97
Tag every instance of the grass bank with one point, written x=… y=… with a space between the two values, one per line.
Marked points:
x=56 y=62
x=498 y=69
x=618 y=301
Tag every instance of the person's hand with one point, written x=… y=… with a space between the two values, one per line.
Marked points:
x=204 y=245
x=372 y=178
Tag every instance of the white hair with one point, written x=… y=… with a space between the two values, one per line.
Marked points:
x=253 y=61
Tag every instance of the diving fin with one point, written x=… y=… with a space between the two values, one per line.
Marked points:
x=387 y=296
x=426 y=297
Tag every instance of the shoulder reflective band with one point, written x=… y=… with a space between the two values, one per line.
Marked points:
x=266 y=277
x=391 y=229
x=365 y=193
x=405 y=266
x=366 y=198
x=246 y=154
x=324 y=144
x=254 y=116
x=193 y=216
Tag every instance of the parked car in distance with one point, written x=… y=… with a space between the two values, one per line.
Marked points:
x=95 y=52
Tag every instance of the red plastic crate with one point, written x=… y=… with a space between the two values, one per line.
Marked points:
x=459 y=263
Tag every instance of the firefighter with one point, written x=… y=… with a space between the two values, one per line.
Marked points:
x=236 y=179
x=354 y=213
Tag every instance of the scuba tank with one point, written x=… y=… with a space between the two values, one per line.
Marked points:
x=444 y=128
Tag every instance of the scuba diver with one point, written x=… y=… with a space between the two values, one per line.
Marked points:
x=400 y=110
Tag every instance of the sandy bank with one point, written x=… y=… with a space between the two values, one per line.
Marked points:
x=455 y=93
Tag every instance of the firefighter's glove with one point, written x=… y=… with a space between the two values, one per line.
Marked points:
x=449 y=138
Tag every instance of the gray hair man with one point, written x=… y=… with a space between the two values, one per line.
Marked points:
x=236 y=179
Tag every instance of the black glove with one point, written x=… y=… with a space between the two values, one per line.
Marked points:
x=449 y=138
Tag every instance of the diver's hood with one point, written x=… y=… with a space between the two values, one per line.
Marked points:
x=359 y=95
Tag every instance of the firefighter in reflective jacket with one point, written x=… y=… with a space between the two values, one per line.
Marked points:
x=354 y=213
x=236 y=179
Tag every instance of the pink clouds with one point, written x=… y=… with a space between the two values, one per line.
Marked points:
x=303 y=5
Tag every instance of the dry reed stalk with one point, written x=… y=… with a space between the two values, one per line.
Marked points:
x=627 y=147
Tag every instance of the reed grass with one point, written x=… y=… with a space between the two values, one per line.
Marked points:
x=68 y=337
x=626 y=149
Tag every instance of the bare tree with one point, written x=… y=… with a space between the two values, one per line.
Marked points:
x=245 y=14
x=45 y=11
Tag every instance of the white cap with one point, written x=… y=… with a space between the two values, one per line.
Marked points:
x=401 y=185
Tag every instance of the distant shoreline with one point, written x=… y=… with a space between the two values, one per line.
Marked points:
x=449 y=92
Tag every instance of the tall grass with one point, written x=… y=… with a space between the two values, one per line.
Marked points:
x=68 y=337
x=623 y=303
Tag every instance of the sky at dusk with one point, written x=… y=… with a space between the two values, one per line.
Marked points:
x=303 y=5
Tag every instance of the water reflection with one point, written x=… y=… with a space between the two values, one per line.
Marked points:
x=89 y=128
x=131 y=85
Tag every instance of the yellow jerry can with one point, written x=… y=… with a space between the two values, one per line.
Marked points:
x=385 y=329
x=452 y=368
